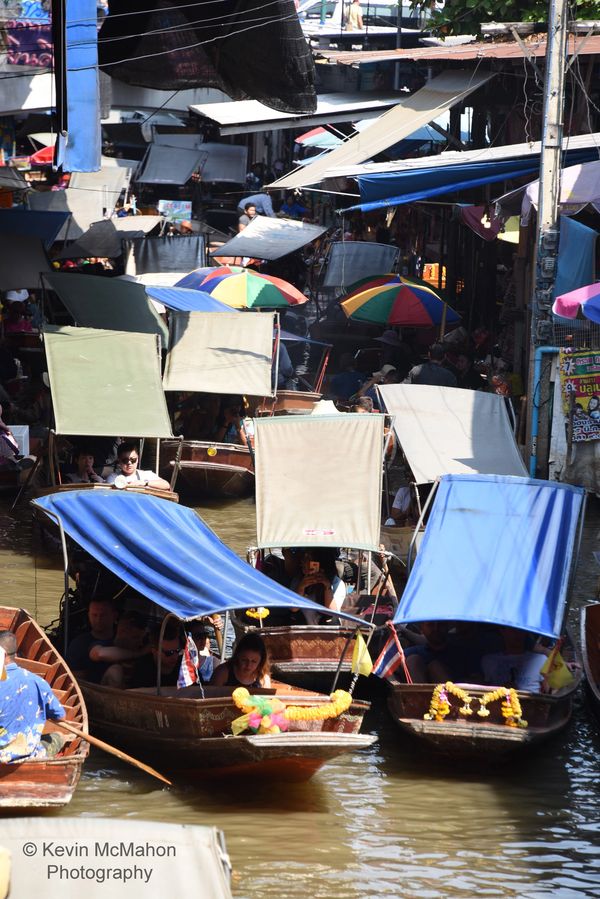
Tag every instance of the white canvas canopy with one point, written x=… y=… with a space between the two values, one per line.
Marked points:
x=318 y=480
x=268 y=238
x=106 y=383
x=446 y=430
x=220 y=352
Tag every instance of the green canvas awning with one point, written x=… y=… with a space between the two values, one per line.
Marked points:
x=109 y=303
x=105 y=383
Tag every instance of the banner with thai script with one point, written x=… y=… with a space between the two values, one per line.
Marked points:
x=580 y=387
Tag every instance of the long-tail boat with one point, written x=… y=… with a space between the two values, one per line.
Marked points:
x=167 y=553
x=590 y=650
x=497 y=551
x=45 y=781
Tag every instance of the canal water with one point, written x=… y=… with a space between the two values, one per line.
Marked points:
x=387 y=822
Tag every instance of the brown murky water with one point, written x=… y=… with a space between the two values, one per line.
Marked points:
x=386 y=822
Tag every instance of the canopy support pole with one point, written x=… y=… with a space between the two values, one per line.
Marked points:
x=161 y=635
x=225 y=629
x=419 y=524
x=177 y=464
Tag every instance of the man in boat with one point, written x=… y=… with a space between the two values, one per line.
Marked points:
x=518 y=665
x=432 y=372
x=229 y=427
x=128 y=458
x=84 y=473
x=82 y=656
x=145 y=669
x=26 y=703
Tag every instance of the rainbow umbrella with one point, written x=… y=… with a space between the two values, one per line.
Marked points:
x=407 y=302
x=246 y=289
x=586 y=299
x=45 y=156
x=194 y=279
x=369 y=282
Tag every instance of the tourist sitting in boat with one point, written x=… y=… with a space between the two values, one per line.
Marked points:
x=247 y=667
x=362 y=406
x=517 y=665
x=84 y=473
x=229 y=428
x=347 y=381
x=207 y=661
x=80 y=657
x=319 y=581
x=387 y=375
x=403 y=511
x=130 y=475
x=26 y=703
x=443 y=650
x=130 y=643
x=145 y=668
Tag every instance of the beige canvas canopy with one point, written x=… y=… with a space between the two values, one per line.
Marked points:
x=318 y=480
x=105 y=383
x=446 y=430
x=220 y=352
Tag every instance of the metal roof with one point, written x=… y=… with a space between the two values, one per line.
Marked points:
x=581 y=44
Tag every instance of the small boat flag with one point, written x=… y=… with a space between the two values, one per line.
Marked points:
x=556 y=672
x=3 y=674
x=390 y=657
x=361 y=660
x=188 y=671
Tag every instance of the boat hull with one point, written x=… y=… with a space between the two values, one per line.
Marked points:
x=590 y=645
x=225 y=471
x=39 y=783
x=191 y=737
x=482 y=739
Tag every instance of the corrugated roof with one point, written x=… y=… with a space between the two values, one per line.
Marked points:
x=478 y=50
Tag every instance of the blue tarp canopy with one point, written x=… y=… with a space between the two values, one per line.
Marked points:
x=184 y=299
x=496 y=550
x=33 y=223
x=166 y=552
x=396 y=188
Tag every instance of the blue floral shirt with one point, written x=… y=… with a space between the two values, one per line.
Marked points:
x=26 y=702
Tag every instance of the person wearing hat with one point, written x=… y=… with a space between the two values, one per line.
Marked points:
x=387 y=375
x=396 y=352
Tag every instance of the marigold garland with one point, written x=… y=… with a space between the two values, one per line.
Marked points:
x=268 y=715
x=259 y=612
x=439 y=707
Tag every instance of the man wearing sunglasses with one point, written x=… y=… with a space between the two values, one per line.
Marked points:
x=145 y=669
x=130 y=475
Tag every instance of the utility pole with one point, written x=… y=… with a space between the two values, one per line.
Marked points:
x=548 y=218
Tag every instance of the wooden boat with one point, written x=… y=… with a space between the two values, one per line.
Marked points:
x=487 y=522
x=590 y=650
x=43 y=782
x=484 y=739
x=192 y=738
x=298 y=402
x=209 y=469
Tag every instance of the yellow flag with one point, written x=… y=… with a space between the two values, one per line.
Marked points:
x=2 y=668
x=361 y=660
x=556 y=672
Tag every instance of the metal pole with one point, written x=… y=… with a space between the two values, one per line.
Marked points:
x=548 y=221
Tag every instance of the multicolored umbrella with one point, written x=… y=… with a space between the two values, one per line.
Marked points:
x=45 y=156
x=245 y=289
x=371 y=281
x=407 y=302
x=586 y=299
x=194 y=279
x=319 y=137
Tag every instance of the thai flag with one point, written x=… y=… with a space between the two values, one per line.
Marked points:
x=188 y=671
x=390 y=658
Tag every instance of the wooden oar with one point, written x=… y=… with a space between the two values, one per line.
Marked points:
x=94 y=741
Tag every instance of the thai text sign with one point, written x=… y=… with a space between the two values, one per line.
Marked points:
x=580 y=387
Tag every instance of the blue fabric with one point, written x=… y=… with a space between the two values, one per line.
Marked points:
x=397 y=188
x=576 y=265
x=184 y=300
x=26 y=701
x=82 y=150
x=45 y=225
x=496 y=550
x=194 y=279
x=166 y=552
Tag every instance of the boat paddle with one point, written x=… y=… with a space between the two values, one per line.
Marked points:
x=112 y=750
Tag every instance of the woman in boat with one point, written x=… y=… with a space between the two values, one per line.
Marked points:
x=320 y=582
x=247 y=667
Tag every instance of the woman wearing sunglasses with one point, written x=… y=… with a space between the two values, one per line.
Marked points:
x=130 y=475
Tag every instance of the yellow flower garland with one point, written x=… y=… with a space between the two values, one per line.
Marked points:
x=259 y=612
x=439 y=707
x=264 y=714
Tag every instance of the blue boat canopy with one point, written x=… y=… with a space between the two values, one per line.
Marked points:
x=496 y=550
x=381 y=190
x=166 y=552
